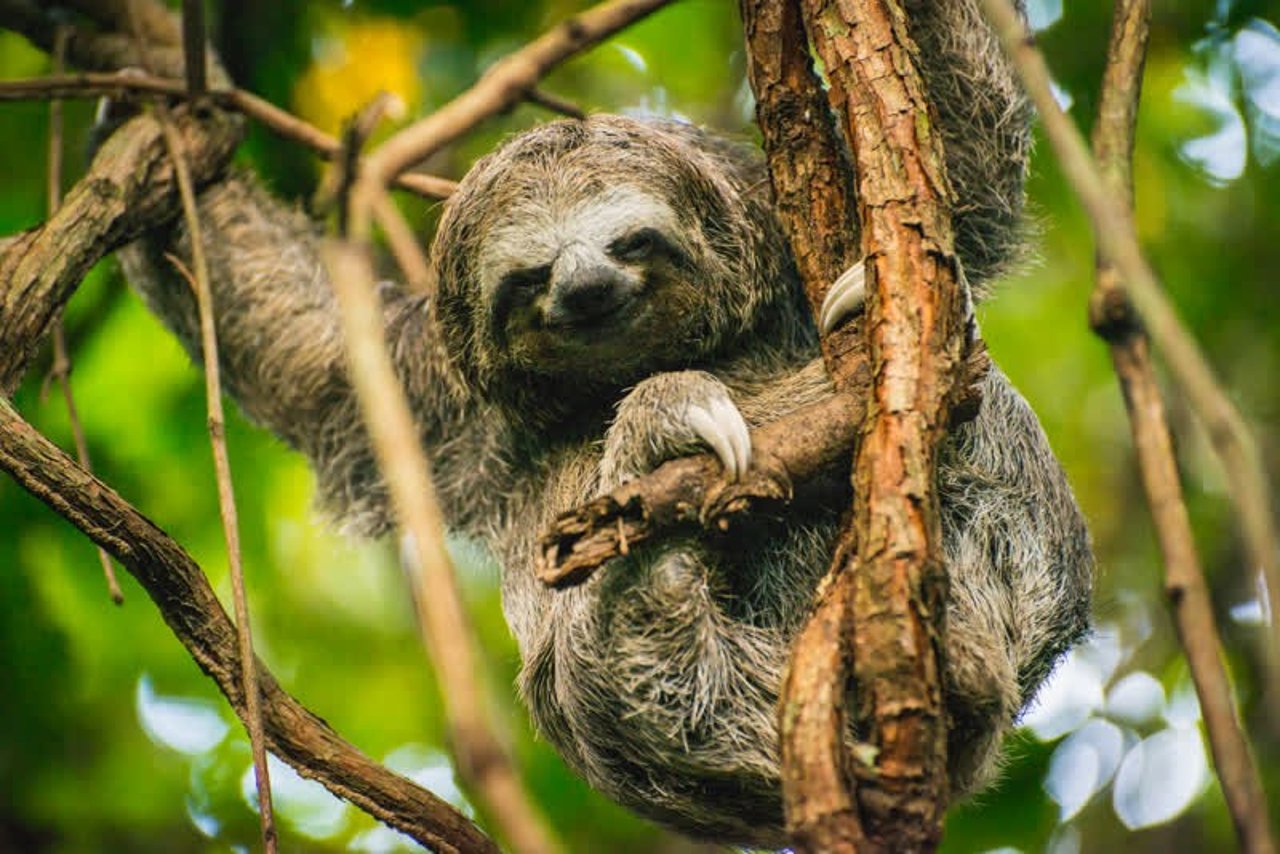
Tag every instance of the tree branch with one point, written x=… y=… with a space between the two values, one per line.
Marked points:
x=813 y=187
x=919 y=323
x=98 y=84
x=193 y=613
x=791 y=457
x=129 y=188
x=481 y=759
x=1118 y=243
x=61 y=370
x=1114 y=319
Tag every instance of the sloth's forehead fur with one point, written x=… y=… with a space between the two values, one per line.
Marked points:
x=534 y=230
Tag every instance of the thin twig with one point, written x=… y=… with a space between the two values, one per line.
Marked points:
x=336 y=188
x=1118 y=243
x=96 y=84
x=404 y=245
x=554 y=103
x=227 y=511
x=199 y=279
x=483 y=762
x=61 y=369
x=1113 y=318
x=193 y=47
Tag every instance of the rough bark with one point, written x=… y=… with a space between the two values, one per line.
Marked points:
x=889 y=591
x=129 y=188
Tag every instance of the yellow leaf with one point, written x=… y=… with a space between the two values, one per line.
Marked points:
x=360 y=59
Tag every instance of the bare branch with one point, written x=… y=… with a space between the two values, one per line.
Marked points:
x=404 y=245
x=199 y=280
x=797 y=454
x=193 y=613
x=815 y=198
x=129 y=188
x=554 y=103
x=1118 y=243
x=917 y=328
x=482 y=761
x=284 y=124
x=1114 y=319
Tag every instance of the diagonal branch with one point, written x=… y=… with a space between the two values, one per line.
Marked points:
x=129 y=188
x=192 y=611
x=481 y=761
x=1118 y=243
x=102 y=84
x=1114 y=319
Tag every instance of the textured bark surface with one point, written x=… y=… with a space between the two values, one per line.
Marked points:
x=813 y=187
x=811 y=175
x=917 y=327
x=889 y=592
x=129 y=188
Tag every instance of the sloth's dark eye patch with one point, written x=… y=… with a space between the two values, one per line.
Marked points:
x=515 y=290
x=643 y=244
x=526 y=280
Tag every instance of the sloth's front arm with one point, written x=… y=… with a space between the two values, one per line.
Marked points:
x=280 y=343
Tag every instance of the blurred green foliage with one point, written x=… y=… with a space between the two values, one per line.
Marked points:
x=116 y=742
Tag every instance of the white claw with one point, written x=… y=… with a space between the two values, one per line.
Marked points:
x=845 y=298
x=721 y=426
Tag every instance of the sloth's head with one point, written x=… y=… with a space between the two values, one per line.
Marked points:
x=605 y=250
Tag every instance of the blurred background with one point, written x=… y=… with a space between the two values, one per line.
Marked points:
x=114 y=741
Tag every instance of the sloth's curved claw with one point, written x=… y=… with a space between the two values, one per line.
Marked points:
x=845 y=298
x=719 y=424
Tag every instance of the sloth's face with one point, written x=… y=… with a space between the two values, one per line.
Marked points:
x=599 y=289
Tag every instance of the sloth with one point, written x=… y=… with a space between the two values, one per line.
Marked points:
x=612 y=293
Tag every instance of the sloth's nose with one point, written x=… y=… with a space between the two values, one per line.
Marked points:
x=586 y=295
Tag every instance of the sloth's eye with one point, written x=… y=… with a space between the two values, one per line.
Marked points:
x=517 y=290
x=638 y=245
x=525 y=280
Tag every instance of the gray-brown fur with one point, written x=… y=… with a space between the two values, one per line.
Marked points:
x=657 y=680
